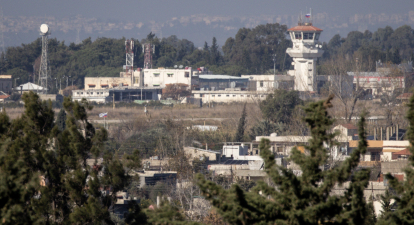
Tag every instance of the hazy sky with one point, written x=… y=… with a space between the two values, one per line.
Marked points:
x=195 y=20
x=164 y=9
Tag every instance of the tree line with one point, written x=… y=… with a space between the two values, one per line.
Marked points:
x=250 y=51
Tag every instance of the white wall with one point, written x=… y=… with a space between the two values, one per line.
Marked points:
x=223 y=96
x=161 y=77
x=234 y=150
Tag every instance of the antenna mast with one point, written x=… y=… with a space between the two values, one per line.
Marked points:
x=129 y=61
x=147 y=49
x=43 y=75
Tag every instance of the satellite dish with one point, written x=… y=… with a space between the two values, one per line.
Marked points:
x=44 y=28
x=181 y=66
x=175 y=66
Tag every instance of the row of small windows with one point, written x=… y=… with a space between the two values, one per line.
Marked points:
x=186 y=74
x=101 y=93
x=306 y=36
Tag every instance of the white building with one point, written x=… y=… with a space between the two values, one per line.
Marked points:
x=117 y=94
x=161 y=77
x=304 y=52
x=229 y=95
x=30 y=87
x=263 y=83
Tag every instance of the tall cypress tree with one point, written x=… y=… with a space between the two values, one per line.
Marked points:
x=242 y=125
x=61 y=120
x=304 y=199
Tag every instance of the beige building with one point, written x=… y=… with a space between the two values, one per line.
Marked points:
x=6 y=83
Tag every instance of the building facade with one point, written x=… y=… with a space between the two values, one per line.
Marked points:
x=6 y=83
x=161 y=77
x=229 y=95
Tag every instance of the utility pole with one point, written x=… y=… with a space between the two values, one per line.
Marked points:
x=113 y=100
x=15 y=85
x=274 y=64
x=67 y=79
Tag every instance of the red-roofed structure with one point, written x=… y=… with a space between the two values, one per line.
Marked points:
x=404 y=96
x=305 y=28
x=349 y=126
x=403 y=152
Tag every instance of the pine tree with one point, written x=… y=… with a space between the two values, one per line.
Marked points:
x=396 y=58
x=404 y=198
x=242 y=126
x=301 y=199
x=61 y=120
x=44 y=175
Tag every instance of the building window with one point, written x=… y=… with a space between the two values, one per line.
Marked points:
x=170 y=74
x=241 y=95
x=187 y=74
x=218 y=95
x=261 y=83
x=248 y=96
x=213 y=96
x=81 y=93
x=201 y=95
x=77 y=93
x=227 y=95
x=91 y=93
x=317 y=36
x=234 y=95
x=298 y=35
x=156 y=74
x=97 y=93
x=101 y=93
x=87 y=93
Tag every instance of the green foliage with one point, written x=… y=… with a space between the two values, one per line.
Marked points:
x=265 y=128
x=301 y=199
x=241 y=126
x=404 y=210
x=279 y=106
x=61 y=120
x=45 y=178
x=385 y=44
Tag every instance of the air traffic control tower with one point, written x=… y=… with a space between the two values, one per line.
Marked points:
x=305 y=51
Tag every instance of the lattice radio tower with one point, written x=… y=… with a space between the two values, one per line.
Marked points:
x=148 y=49
x=43 y=75
x=129 y=62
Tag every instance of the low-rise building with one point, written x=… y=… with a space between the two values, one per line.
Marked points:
x=6 y=83
x=229 y=95
x=221 y=82
x=29 y=87
x=162 y=76
x=117 y=94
